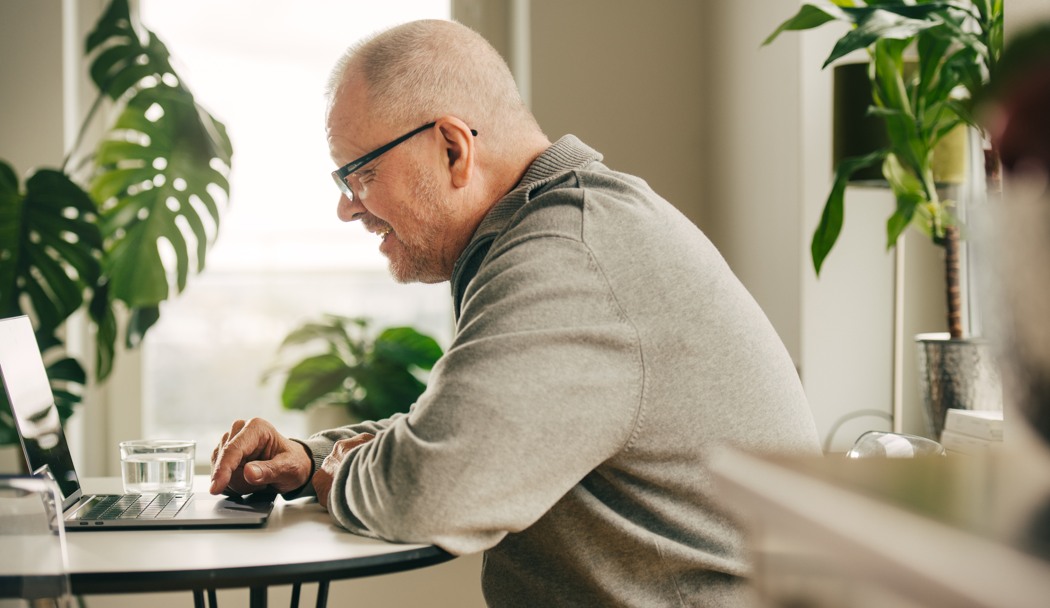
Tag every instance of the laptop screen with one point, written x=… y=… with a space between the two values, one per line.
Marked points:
x=33 y=406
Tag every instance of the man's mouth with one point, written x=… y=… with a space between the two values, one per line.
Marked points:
x=382 y=230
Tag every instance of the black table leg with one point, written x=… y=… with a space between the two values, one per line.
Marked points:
x=296 y=588
x=199 y=601
x=322 y=594
x=257 y=597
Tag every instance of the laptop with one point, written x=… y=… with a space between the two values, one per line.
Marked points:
x=47 y=453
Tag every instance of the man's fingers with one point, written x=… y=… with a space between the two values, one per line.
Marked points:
x=229 y=456
x=325 y=475
x=285 y=472
x=343 y=446
x=238 y=486
x=215 y=452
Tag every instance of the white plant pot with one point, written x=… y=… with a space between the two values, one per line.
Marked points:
x=322 y=417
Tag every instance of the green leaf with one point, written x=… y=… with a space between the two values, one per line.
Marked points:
x=903 y=127
x=141 y=320
x=101 y=312
x=158 y=169
x=931 y=52
x=334 y=333
x=67 y=369
x=313 y=378
x=877 y=25
x=405 y=346
x=808 y=17
x=123 y=61
x=10 y=240
x=153 y=188
x=376 y=376
x=389 y=389
x=909 y=193
x=115 y=21
x=40 y=260
x=830 y=225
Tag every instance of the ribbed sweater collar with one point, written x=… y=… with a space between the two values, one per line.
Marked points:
x=566 y=154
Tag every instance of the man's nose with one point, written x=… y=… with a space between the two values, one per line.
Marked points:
x=348 y=210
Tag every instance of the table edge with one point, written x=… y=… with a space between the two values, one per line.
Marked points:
x=95 y=583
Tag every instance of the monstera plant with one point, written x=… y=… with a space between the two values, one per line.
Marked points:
x=117 y=228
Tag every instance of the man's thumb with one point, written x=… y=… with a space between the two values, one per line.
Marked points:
x=258 y=473
x=283 y=472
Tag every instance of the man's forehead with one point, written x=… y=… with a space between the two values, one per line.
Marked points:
x=347 y=122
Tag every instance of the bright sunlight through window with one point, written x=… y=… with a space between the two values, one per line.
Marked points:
x=282 y=256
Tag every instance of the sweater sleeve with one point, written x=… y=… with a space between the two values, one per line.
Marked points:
x=542 y=384
x=319 y=446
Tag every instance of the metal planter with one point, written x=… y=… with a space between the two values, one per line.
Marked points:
x=962 y=374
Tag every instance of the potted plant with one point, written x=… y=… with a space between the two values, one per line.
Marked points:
x=926 y=61
x=370 y=374
x=89 y=235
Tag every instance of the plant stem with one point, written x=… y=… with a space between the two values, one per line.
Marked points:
x=951 y=279
x=83 y=130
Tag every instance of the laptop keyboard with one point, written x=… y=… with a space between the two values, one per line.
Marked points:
x=133 y=506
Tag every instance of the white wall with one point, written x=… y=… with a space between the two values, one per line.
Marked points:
x=31 y=125
x=627 y=77
x=755 y=154
x=846 y=314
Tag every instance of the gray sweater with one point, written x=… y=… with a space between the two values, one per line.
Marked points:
x=603 y=347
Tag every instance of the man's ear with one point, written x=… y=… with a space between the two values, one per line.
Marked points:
x=459 y=147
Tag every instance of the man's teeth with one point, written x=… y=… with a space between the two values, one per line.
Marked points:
x=382 y=233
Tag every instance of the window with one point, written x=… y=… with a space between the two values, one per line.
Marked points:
x=282 y=256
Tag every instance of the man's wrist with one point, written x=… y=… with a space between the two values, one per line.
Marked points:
x=315 y=463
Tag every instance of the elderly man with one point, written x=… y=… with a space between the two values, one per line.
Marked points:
x=602 y=349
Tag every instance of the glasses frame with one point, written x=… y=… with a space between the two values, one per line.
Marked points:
x=340 y=174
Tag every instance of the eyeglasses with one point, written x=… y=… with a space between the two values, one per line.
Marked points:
x=344 y=176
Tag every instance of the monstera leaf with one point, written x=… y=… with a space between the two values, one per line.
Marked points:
x=49 y=256
x=123 y=60
x=153 y=186
x=159 y=171
x=50 y=246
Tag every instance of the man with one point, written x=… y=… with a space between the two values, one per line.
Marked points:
x=602 y=349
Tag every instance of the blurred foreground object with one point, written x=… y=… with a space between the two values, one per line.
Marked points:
x=1018 y=116
x=33 y=570
x=1020 y=122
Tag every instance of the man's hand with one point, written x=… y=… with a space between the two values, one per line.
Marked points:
x=323 y=477
x=253 y=456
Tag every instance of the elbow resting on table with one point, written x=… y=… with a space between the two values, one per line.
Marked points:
x=440 y=516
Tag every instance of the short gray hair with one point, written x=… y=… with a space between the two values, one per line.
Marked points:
x=421 y=70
